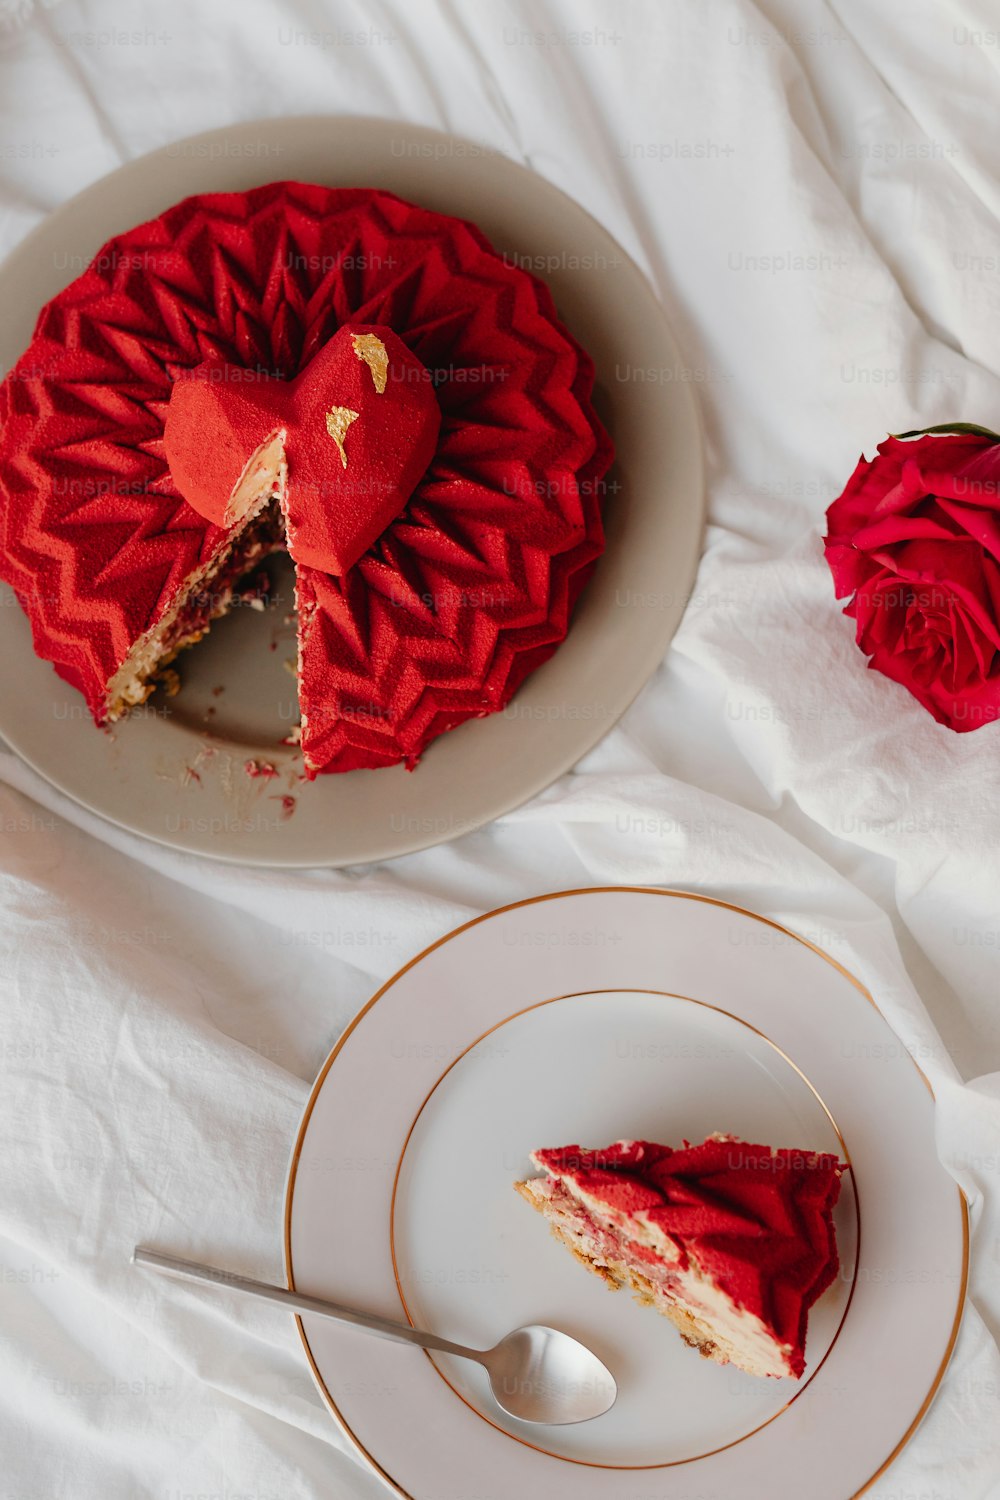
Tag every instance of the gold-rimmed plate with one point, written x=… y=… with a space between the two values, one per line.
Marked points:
x=587 y=1017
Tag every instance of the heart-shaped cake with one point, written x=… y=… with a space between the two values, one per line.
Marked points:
x=342 y=446
x=332 y=371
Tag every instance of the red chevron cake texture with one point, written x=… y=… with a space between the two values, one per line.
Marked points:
x=472 y=585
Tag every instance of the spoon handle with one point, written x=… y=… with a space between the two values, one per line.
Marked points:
x=386 y=1328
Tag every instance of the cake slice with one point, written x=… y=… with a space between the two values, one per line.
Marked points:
x=732 y=1242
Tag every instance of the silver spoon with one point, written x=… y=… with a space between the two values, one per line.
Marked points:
x=536 y=1373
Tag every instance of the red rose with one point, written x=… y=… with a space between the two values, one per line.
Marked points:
x=915 y=539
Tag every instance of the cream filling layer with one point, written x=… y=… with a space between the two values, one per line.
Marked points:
x=265 y=474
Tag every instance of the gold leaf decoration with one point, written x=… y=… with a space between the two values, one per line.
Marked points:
x=370 y=348
x=338 y=419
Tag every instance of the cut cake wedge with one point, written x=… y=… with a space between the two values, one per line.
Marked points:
x=733 y=1242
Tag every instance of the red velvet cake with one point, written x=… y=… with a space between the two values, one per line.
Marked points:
x=732 y=1242
x=332 y=371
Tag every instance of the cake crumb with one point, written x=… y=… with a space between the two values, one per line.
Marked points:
x=288 y=805
x=263 y=768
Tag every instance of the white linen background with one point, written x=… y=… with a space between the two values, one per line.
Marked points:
x=164 y=1016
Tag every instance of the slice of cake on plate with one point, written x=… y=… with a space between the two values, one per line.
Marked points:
x=732 y=1242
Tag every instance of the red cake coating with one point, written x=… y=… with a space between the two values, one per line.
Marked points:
x=463 y=594
x=757 y=1220
x=341 y=489
x=219 y=417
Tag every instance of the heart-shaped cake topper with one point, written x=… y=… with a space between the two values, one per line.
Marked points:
x=343 y=445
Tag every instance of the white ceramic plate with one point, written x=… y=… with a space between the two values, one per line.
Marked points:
x=586 y=1017
x=175 y=772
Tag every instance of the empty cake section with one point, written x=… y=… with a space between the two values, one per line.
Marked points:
x=207 y=595
x=732 y=1242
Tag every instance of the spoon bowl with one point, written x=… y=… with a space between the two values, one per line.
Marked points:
x=540 y=1374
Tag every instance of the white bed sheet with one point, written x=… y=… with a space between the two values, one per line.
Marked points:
x=163 y=1017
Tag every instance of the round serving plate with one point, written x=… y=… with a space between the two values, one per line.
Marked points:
x=177 y=771
x=584 y=1018
x=553 y=1075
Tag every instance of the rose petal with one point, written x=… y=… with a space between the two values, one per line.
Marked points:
x=983 y=525
x=891 y=529
x=850 y=568
x=980 y=474
x=866 y=486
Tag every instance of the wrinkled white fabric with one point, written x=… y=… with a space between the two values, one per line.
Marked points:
x=813 y=191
